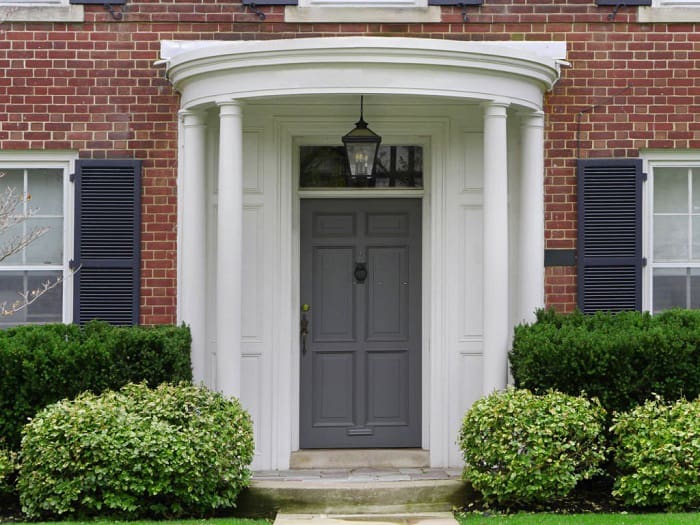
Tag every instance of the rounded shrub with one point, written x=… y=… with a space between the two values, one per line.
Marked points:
x=523 y=449
x=657 y=452
x=176 y=450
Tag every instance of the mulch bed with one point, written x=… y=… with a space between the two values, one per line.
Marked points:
x=590 y=496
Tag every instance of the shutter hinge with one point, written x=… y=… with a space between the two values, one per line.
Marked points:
x=72 y=264
x=644 y=262
x=645 y=176
x=71 y=177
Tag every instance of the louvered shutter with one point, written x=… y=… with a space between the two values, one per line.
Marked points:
x=609 y=235
x=107 y=241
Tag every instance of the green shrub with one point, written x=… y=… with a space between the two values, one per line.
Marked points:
x=621 y=359
x=8 y=472
x=41 y=364
x=158 y=453
x=657 y=452
x=523 y=449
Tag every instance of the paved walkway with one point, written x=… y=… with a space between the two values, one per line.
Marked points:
x=435 y=518
x=359 y=475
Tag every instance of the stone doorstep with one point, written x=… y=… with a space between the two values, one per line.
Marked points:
x=432 y=518
x=316 y=497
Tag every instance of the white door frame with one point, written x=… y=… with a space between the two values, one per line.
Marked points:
x=292 y=132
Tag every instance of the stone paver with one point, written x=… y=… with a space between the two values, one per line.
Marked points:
x=436 y=518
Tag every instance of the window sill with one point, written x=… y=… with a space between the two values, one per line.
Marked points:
x=42 y=13
x=362 y=14
x=668 y=14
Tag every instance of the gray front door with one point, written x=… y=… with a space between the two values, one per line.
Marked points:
x=360 y=361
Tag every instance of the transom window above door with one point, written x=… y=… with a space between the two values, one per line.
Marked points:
x=327 y=167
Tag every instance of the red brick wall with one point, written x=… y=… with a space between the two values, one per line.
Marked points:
x=92 y=87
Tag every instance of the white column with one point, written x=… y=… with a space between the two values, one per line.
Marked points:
x=229 y=247
x=531 y=220
x=496 y=323
x=192 y=250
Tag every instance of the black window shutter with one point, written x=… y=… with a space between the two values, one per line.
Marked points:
x=107 y=241
x=609 y=235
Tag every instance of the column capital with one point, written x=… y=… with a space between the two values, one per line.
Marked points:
x=191 y=117
x=531 y=119
x=230 y=108
x=493 y=108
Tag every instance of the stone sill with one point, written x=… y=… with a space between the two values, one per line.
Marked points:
x=42 y=13
x=668 y=14
x=302 y=15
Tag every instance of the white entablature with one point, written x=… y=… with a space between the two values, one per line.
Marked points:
x=510 y=72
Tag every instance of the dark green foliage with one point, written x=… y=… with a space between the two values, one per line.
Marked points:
x=622 y=359
x=9 y=465
x=177 y=450
x=41 y=364
x=657 y=451
x=523 y=449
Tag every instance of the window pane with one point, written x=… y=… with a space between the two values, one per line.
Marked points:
x=45 y=188
x=13 y=179
x=696 y=237
x=671 y=190
x=47 y=249
x=8 y=241
x=696 y=190
x=670 y=238
x=670 y=288
x=695 y=288
x=47 y=308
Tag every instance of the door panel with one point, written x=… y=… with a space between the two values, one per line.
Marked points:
x=360 y=362
x=333 y=295
x=387 y=297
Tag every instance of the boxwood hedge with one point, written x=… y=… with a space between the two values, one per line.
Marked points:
x=622 y=359
x=41 y=364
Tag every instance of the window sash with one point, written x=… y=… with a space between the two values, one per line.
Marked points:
x=679 y=268
x=61 y=266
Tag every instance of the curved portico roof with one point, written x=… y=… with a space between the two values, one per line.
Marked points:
x=508 y=72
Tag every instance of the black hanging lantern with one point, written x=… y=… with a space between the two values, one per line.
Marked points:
x=361 y=147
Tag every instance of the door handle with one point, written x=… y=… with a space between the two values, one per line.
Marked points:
x=304 y=327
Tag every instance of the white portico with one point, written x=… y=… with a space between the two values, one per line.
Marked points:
x=476 y=109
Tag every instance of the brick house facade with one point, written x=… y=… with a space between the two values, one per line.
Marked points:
x=96 y=86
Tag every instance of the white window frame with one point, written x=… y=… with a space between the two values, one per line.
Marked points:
x=52 y=160
x=40 y=11
x=653 y=159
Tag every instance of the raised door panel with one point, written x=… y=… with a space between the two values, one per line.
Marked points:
x=333 y=294
x=333 y=389
x=387 y=388
x=387 y=293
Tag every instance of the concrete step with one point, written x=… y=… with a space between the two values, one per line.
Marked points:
x=358 y=458
x=266 y=497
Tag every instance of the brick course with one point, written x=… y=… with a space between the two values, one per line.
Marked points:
x=92 y=87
